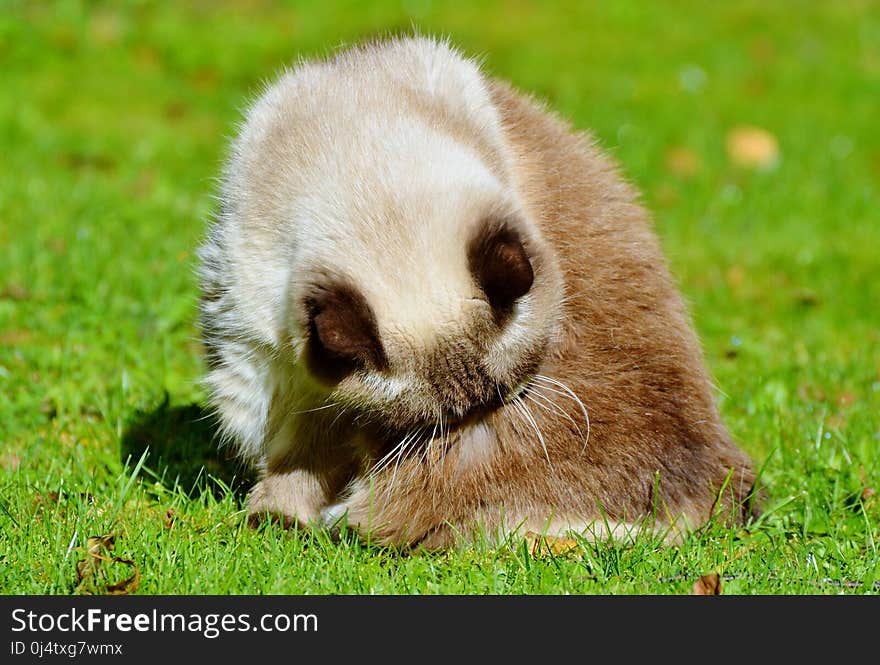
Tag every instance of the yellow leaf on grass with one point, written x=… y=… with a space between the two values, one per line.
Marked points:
x=752 y=147
x=91 y=577
x=543 y=545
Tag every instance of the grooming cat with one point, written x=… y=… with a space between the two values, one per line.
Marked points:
x=431 y=309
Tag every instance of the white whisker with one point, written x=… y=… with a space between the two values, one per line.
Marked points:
x=386 y=459
x=442 y=443
x=424 y=457
x=447 y=441
x=569 y=392
x=530 y=419
x=549 y=405
x=317 y=408
x=338 y=416
x=404 y=447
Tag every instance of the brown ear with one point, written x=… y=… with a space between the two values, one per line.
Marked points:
x=500 y=265
x=343 y=335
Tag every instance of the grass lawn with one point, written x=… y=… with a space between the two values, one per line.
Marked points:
x=114 y=119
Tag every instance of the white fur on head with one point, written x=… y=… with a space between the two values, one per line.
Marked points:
x=374 y=167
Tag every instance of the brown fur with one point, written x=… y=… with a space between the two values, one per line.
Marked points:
x=566 y=280
x=657 y=449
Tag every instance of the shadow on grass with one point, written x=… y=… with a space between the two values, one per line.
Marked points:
x=183 y=451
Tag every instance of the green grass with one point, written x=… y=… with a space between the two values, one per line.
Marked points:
x=113 y=124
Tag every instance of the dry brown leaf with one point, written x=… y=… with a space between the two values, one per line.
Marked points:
x=707 y=585
x=810 y=392
x=91 y=577
x=846 y=399
x=543 y=545
x=835 y=422
x=42 y=500
x=15 y=337
x=683 y=161
x=129 y=584
x=48 y=498
x=10 y=461
x=15 y=292
x=96 y=549
x=752 y=147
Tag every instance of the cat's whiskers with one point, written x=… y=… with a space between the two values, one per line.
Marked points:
x=520 y=406
x=534 y=395
x=567 y=392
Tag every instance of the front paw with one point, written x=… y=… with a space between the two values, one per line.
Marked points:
x=291 y=499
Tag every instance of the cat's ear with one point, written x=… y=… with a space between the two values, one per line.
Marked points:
x=343 y=335
x=500 y=264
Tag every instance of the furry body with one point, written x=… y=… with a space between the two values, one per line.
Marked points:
x=430 y=307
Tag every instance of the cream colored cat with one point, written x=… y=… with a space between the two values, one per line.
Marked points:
x=430 y=307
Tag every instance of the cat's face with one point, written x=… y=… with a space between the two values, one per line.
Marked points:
x=443 y=325
x=385 y=255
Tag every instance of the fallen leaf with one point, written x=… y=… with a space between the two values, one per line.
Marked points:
x=126 y=586
x=846 y=399
x=10 y=461
x=752 y=147
x=835 y=422
x=96 y=548
x=41 y=499
x=707 y=585
x=14 y=292
x=91 y=576
x=14 y=337
x=683 y=161
x=811 y=393
x=543 y=545
x=55 y=497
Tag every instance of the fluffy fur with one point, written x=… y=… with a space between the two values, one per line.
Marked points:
x=430 y=307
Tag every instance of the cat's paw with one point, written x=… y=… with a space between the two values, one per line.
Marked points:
x=292 y=499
